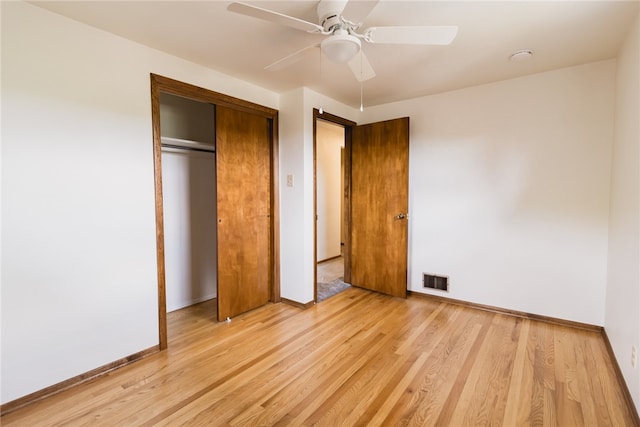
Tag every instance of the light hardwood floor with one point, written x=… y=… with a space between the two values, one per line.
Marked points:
x=360 y=358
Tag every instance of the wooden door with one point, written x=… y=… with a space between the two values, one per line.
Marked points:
x=243 y=152
x=379 y=205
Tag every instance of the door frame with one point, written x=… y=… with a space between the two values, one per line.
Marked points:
x=348 y=129
x=164 y=84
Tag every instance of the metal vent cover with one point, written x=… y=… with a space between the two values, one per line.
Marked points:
x=433 y=281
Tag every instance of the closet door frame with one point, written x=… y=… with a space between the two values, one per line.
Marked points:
x=164 y=84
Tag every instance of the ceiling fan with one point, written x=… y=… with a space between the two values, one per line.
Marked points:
x=340 y=22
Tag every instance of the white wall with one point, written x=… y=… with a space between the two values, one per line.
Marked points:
x=509 y=188
x=189 y=211
x=329 y=190
x=78 y=246
x=296 y=203
x=622 y=321
x=293 y=270
x=187 y=119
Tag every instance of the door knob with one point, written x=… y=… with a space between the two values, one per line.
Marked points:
x=401 y=216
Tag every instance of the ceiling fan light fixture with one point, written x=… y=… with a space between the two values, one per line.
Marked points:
x=341 y=47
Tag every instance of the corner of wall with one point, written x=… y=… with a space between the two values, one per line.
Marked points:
x=622 y=310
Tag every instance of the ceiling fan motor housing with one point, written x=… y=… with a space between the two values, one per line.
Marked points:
x=329 y=13
x=340 y=46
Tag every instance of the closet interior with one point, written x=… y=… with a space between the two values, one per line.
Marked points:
x=187 y=130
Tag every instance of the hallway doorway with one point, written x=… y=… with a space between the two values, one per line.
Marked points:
x=331 y=278
x=331 y=161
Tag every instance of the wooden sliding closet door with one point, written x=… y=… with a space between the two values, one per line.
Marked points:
x=243 y=153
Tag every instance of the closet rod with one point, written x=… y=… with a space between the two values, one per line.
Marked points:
x=180 y=147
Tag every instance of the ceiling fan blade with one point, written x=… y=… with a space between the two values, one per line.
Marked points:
x=436 y=35
x=275 y=17
x=361 y=67
x=290 y=59
x=357 y=10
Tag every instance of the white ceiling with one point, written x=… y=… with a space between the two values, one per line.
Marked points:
x=561 y=34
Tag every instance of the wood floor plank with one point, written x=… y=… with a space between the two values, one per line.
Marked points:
x=570 y=410
x=440 y=373
x=443 y=327
x=612 y=394
x=440 y=379
x=537 y=395
x=366 y=385
x=453 y=399
x=588 y=401
x=382 y=413
x=515 y=384
x=603 y=395
x=269 y=375
x=324 y=337
x=283 y=402
x=356 y=359
x=484 y=396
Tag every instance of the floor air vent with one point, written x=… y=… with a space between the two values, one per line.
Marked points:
x=431 y=281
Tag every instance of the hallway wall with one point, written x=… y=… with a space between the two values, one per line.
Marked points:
x=329 y=191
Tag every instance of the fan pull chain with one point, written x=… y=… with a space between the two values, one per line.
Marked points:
x=361 y=81
x=321 y=110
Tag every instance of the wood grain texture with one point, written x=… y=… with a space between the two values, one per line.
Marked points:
x=167 y=85
x=275 y=208
x=243 y=171
x=186 y=90
x=379 y=192
x=360 y=358
x=157 y=176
